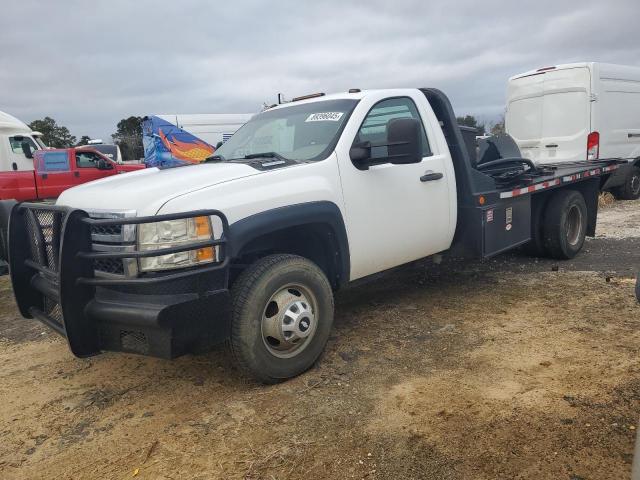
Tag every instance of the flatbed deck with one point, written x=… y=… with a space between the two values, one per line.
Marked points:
x=556 y=175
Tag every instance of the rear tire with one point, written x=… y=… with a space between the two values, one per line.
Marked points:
x=565 y=224
x=630 y=189
x=282 y=314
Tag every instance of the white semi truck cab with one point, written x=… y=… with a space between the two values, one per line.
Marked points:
x=304 y=199
x=13 y=134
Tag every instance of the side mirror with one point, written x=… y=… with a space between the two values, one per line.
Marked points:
x=218 y=145
x=404 y=141
x=404 y=145
x=26 y=148
x=360 y=154
x=104 y=165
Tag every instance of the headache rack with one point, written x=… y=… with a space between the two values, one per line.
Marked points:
x=53 y=264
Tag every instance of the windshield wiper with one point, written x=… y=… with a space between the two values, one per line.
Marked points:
x=264 y=155
x=214 y=158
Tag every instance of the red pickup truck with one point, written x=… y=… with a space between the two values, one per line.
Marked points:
x=57 y=170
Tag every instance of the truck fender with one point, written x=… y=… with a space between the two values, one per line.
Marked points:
x=321 y=216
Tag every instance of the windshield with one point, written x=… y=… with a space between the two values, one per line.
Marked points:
x=17 y=141
x=109 y=151
x=40 y=142
x=302 y=132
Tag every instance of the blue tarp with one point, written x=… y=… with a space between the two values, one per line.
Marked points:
x=167 y=145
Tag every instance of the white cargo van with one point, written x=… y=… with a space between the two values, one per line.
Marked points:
x=13 y=133
x=578 y=111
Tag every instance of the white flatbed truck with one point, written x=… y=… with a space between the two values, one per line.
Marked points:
x=305 y=198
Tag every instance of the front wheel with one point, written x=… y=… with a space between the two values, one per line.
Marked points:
x=282 y=313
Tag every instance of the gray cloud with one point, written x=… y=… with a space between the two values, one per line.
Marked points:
x=89 y=64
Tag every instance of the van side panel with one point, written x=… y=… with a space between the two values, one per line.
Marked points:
x=617 y=112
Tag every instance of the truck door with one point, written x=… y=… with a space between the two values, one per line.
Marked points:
x=87 y=164
x=396 y=213
x=53 y=172
x=17 y=159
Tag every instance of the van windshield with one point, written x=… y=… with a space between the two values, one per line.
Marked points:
x=304 y=132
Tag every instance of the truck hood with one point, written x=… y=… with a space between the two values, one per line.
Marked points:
x=145 y=191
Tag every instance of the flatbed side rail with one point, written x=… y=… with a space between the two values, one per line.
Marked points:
x=52 y=266
x=572 y=175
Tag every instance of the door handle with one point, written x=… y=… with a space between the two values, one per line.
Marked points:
x=76 y=173
x=44 y=176
x=430 y=176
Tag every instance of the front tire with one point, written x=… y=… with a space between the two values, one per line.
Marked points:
x=630 y=189
x=282 y=313
x=565 y=224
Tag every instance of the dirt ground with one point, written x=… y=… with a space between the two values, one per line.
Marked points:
x=513 y=368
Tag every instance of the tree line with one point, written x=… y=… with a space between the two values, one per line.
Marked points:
x=128 y=136
x=494 y=128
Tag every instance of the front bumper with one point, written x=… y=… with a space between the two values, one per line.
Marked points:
x=52 y=265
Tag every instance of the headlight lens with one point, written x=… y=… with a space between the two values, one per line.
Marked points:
x=173 y=233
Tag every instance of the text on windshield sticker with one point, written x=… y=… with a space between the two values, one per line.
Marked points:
x=324 y=116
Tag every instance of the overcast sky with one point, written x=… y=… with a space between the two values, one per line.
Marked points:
x=90 y=63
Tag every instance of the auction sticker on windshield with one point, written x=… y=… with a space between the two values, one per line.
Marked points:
x=324 y=116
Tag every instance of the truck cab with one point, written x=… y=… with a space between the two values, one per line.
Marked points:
x=13 y=133
x=56 y=170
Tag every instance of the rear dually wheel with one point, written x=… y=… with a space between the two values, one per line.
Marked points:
x=630 y=189
x=565 y=224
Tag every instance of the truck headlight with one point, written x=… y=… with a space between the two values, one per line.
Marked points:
x=173 y=233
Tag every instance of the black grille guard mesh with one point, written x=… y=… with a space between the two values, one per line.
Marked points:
x=52 y=264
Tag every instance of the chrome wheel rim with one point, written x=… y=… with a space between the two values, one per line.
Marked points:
x=574 y=225
x=289 y=321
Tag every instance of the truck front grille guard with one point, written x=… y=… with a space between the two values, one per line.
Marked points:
x=52 y=263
